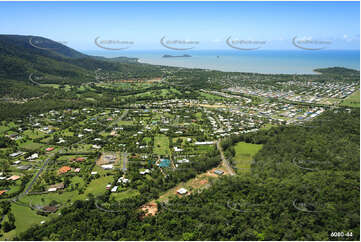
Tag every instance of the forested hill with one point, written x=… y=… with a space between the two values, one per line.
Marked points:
x=304 y=185
x=22 y=55
x=340 y=71
x=15 y=44
x=50 y=62
x=21 y=44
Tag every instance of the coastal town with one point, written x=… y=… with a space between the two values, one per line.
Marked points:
x=57 y=157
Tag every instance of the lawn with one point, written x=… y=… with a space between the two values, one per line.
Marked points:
x=124 y=194
x=267 y=126
x=30 y=145
x=353 y=100
x=209 y=96
x=5 y=126
x=24 y=218
x=147 y=139
x=179 y=138
x=3 y=129
x=203 y=148
x=125 y=122
x=161 y=145
x=199 y=116
x=50 y=85
x=45 y=199
x=97 y=186
x=81 y=148
x=15 y=187
x=244 y=155
x=34 y=134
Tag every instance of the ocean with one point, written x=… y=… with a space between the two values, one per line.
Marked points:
x=256 y=61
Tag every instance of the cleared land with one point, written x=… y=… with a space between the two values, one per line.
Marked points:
x=244 y=155
x=353 y=100
x=161 y=145
x=28 y=218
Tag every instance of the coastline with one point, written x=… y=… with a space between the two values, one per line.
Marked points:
x=142 y=61
x=262 y=62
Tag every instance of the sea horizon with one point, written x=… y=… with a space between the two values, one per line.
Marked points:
x=256 y=61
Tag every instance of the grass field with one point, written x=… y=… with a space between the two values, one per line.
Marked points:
x=267 y=126
x=15 y=187
x=210 y=96
x=199 y=116
x=161 y=145
x=64 y=198
x=3 y=129
x=25 y=217
x=30 y=145
x=34 y=134
x=204 y=148
x=4 y=126
x=97 y=186
x=81 y=148
x=125 y=122
x=147 y=139
x=179 y=138
x=353 y=100
x=244 y=155
x=124 y=194
x=50 y=85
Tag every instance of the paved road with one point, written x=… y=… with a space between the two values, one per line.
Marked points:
x=125 y=161
x=224 y=160
x=36 y=176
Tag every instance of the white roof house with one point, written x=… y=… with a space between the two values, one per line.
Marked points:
x=33 y=156
x=182 y=191
x=204 y=143
x=114 y=189
x=107 y=167
x=183 y=161
x=123 y=180
x=16 y=154
x=146 y=171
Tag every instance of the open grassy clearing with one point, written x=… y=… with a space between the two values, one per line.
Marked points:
x=125 y=122
x=34 y=134
x=124 y=194
x=244 y=155
x=50 y=85
x=97 y=186
x=6 y=126
x=30 y=145
x=210 y=96
x=147 y=139
x=161 y=145
x=353 y=100
x=28 y=218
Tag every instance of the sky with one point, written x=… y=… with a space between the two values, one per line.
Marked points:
x=197 y=25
